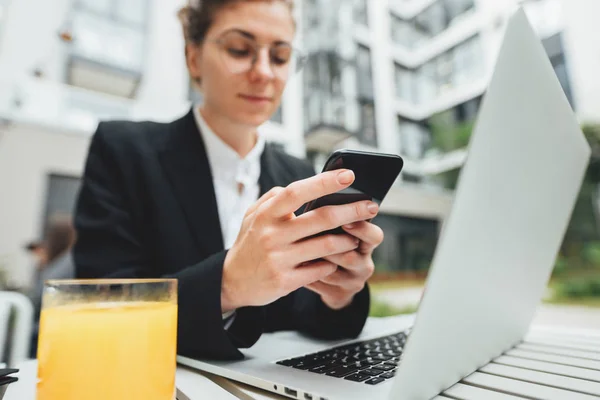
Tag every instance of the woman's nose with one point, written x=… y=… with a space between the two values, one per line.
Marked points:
x=262 y=66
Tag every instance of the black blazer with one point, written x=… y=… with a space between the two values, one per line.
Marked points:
x=147 y=209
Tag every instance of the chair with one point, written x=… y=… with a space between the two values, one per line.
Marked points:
x=19 y=334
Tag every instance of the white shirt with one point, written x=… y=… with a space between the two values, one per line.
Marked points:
x=228 y=170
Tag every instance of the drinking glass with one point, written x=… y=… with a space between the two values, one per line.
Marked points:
x=108 y=339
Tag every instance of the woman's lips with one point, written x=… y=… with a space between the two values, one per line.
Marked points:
x=255 y=99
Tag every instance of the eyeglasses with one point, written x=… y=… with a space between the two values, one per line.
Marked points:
x=239 y=54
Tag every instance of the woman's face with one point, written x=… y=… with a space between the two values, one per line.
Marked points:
x=242 y=61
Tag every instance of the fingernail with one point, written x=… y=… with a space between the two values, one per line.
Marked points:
x=349 y=226
x=373 y=208
x=345 y=177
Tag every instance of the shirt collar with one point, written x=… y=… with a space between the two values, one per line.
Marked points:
x=225 y=163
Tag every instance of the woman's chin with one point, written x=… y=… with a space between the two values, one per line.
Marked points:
x=254 y=119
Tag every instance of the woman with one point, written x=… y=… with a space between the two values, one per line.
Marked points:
x=205 y=200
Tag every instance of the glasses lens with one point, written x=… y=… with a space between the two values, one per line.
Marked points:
x=238 y=52
x=286 y=60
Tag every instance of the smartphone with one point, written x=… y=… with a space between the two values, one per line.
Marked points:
x=375 y=173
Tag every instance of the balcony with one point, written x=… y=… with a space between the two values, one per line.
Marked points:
x=442 y=102
x=67 y=108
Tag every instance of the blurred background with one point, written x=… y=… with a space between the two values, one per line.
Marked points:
x=399 y=76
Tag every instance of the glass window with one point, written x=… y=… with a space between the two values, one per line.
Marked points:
x=110 y=32
x=368 y=133
x=432 y=20
x=361 y=12
x=414 y=138
x=455 y=8
x=61 y=196
x=439 y=16
x=409 y=245
x=425 y=83
x=467 y=61
x=404 y=33
x=444 y=71
x=405 y=84
x=560 y=68
x=364 y=73
x=102 y=40
x=311 y=72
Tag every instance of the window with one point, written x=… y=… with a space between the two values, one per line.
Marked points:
x=453 y=68
x=467 y=63
x=310 y=13
x=432 y=20
x=361 y=12
x=311 y=72
x=414 y=138
x=555 y=50
x=405 y=84
x=409 y=245
x=456 y=8
x=426 y=83
x=428 y=23
x=111 y=32
x=404 y=33
x=368 y=132
x=61 y=195
x=364 y=74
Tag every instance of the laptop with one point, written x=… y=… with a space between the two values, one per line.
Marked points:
x=514 y=199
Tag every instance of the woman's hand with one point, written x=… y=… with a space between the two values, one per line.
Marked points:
x=275 y=251
x=338 y=289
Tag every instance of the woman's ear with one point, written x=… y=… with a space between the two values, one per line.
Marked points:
x=193 y=58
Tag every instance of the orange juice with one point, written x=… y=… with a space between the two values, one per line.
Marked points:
x=107 y=351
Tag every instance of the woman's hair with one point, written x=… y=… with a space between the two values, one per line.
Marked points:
x=197 y=17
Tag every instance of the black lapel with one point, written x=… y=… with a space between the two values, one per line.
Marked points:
x=273 y=172
x=186 y=164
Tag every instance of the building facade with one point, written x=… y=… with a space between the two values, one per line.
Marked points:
x=399 y=76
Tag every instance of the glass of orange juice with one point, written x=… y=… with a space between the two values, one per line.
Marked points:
x=108 y=339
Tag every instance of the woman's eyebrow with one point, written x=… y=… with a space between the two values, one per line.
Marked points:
x=250 y=35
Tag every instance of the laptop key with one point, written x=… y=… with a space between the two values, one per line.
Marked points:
x=371 y=372
x=374 y=381
x=388 y=375
x=321 y=369
x=358 y=377
x=384 y=367
x=340 y=372
x=381 y=357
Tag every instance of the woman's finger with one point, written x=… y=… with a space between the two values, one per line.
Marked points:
x=368 y=233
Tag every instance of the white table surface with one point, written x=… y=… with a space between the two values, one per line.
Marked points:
x=551 y=363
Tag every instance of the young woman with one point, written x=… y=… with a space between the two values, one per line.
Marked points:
x=205 y=200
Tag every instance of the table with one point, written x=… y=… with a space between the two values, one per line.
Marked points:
x=551 y=363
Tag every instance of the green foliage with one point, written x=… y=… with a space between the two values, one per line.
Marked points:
x=560 y=267
x=591 y=254
x=578 y=288
x=382 y=309
x=448 y=137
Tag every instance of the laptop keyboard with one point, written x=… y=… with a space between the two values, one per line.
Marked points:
x=370 y=361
